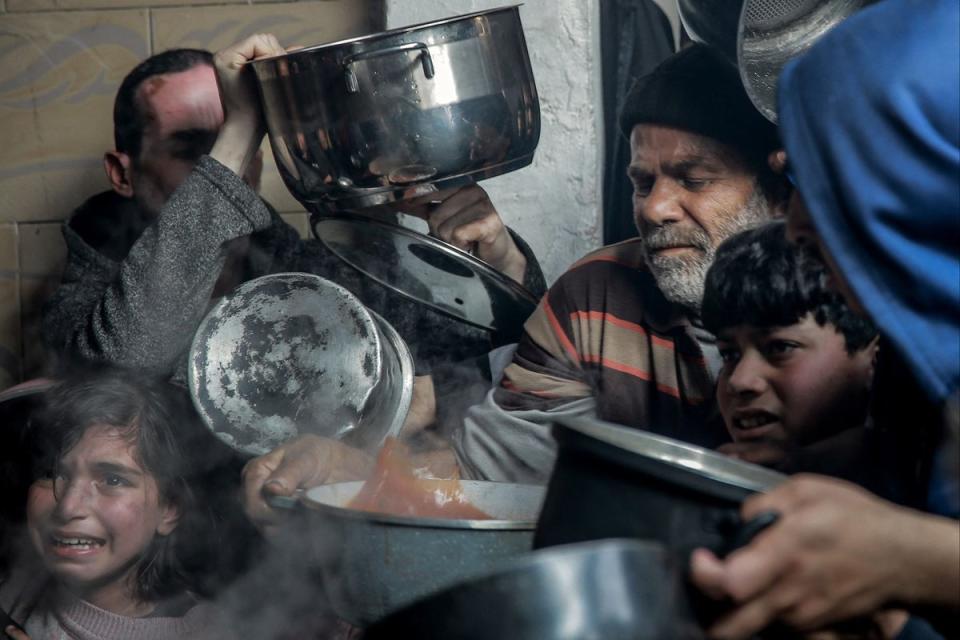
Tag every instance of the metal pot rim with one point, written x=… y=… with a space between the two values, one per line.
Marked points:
x=675 y=458
x=421 y=523
x=371 y=37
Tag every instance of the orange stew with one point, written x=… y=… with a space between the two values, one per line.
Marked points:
x=395 y=489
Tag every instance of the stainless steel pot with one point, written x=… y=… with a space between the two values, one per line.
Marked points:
x=359 y=122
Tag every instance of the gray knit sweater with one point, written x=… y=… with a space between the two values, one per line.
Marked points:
x=134 y=291
x=28 y=596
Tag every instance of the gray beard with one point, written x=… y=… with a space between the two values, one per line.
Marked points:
x=681 y=278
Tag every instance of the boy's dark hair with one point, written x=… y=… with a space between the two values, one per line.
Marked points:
x=129 y=121
x=759 y=278
x=168 y=441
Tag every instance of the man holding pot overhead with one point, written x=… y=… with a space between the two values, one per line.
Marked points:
x=181 y=227
x=618 y=336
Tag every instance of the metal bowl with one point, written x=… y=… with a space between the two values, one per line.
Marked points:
x=614 y=589
x=293 y=353
x=359 y=122
x=383 y=562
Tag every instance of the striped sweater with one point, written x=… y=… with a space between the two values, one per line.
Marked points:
x=605 y=341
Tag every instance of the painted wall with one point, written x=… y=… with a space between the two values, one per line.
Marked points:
x=555 y=202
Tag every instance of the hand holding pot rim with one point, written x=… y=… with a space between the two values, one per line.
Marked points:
x=837 y=551
x=466 y=218
x=243 y=127
x=301 y=463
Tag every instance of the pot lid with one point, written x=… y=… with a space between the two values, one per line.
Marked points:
x=428 y=271
x=675 y=460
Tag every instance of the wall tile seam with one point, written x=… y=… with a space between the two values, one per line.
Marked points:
x=150 y=26
x=90 y=10
x=18 y=292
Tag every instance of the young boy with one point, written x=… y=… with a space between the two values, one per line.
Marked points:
x=798 y=363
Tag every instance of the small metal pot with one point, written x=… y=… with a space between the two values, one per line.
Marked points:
x=359 y=122
x=374 y=563
x=613 y=481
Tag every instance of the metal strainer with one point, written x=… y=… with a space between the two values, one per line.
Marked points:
x=772 y=32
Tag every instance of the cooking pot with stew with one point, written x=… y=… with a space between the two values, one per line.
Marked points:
x=374 y=562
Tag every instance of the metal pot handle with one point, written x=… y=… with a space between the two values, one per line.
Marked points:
x=351 y=78
x=744 y=532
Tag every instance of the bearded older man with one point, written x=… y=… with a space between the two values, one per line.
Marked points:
x=618 y=336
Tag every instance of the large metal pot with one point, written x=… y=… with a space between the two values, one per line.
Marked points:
x=611 y=589
x=614 y=481
x=358 y=122
x=374 y=563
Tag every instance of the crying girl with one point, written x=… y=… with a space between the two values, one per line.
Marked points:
x=110 y=514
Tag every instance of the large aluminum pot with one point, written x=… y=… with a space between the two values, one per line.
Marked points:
x=375 y=563
x=359 y=122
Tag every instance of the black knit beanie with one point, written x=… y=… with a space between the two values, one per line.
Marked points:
x=698 y=90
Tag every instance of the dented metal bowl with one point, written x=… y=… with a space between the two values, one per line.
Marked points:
x=293 y=353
